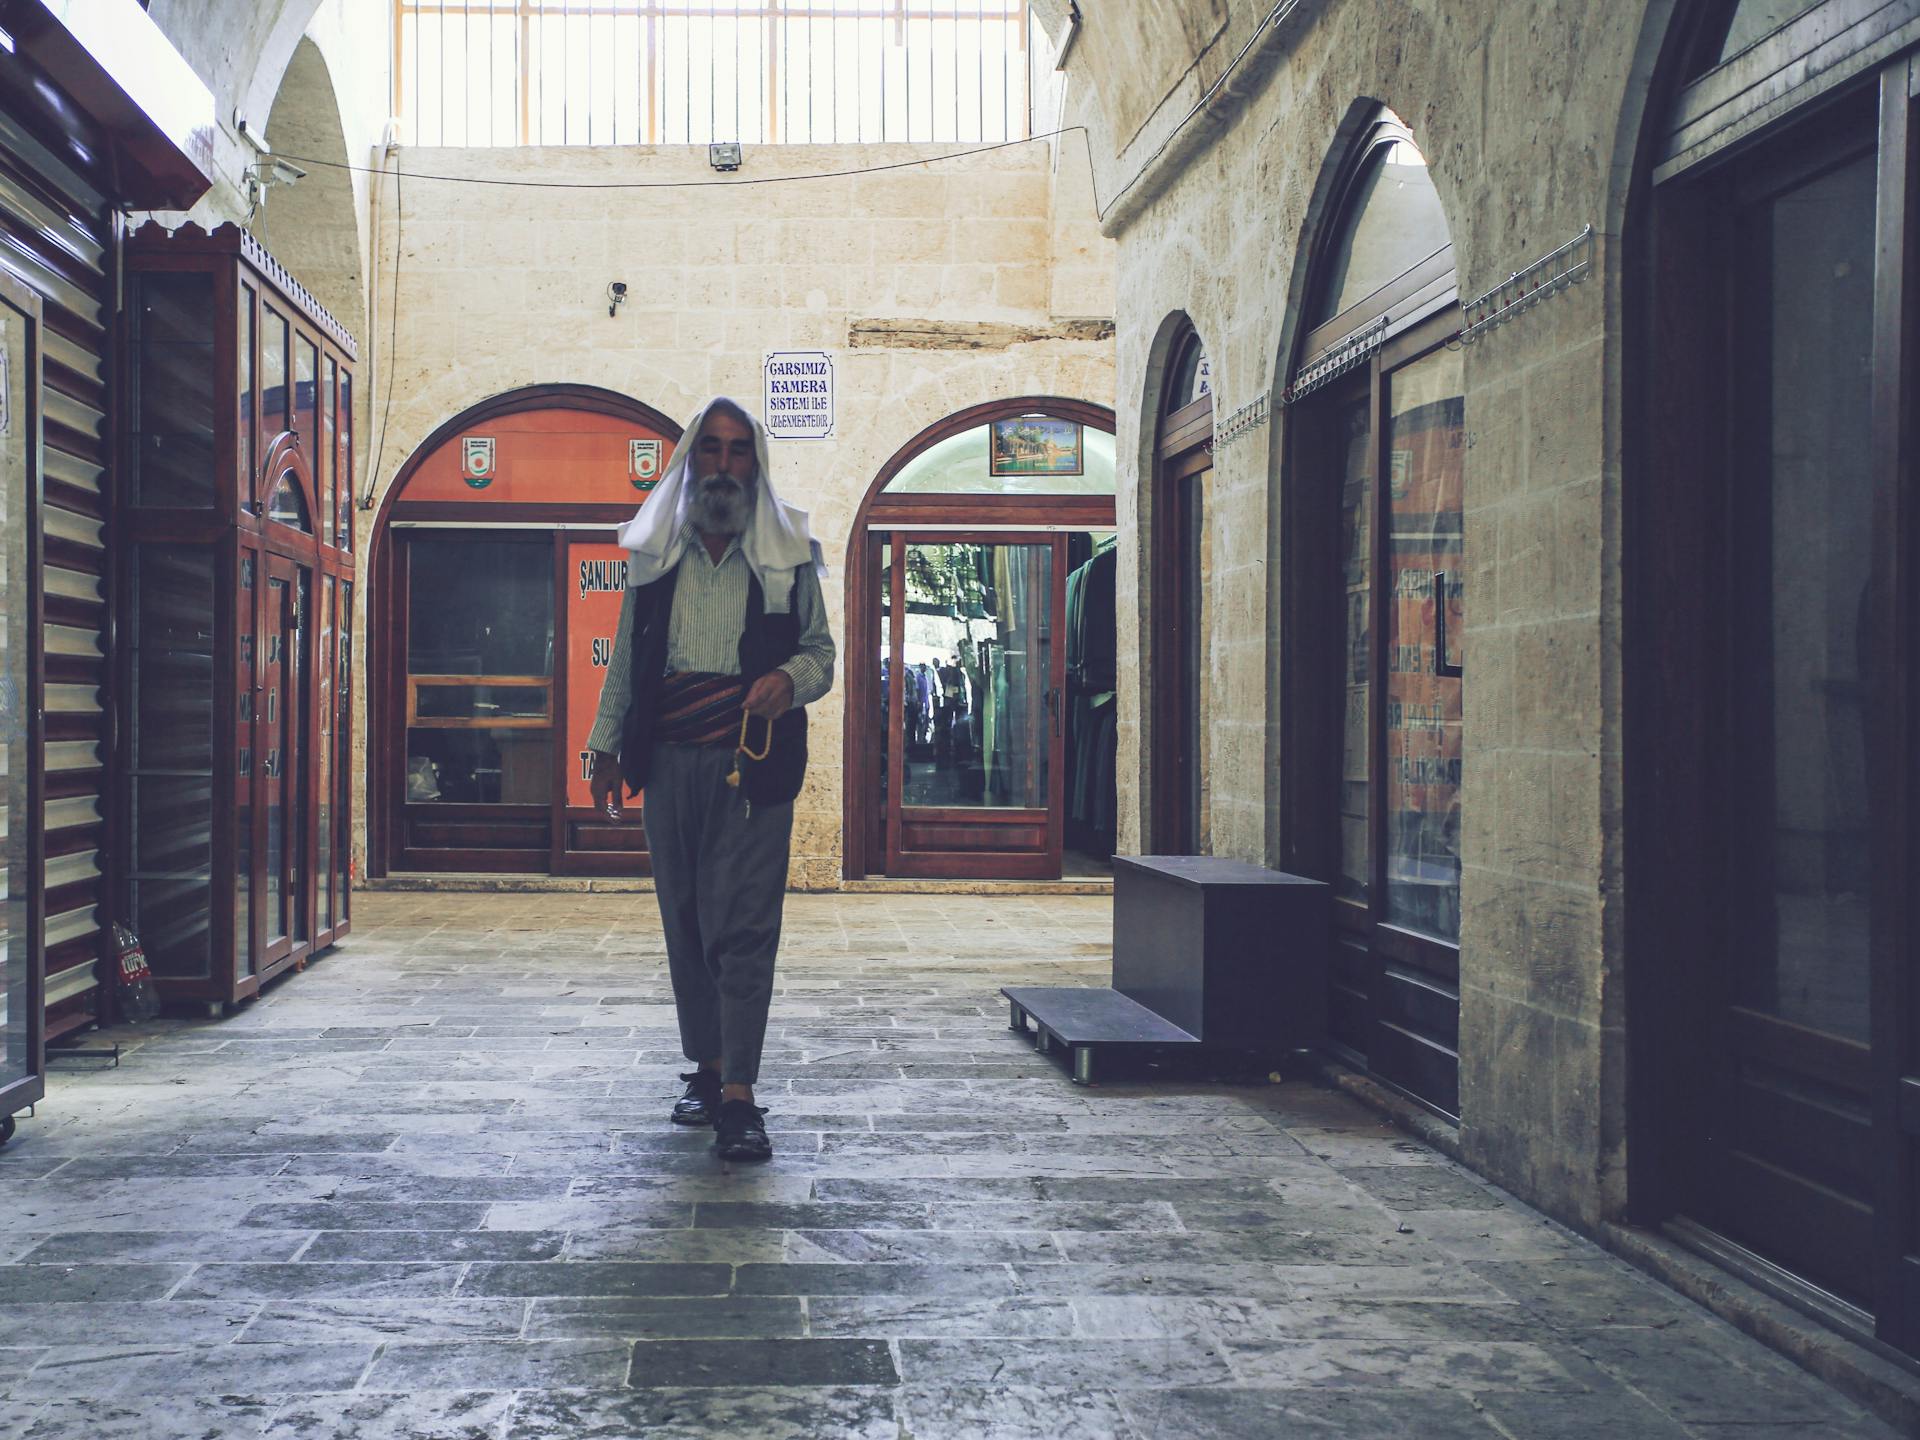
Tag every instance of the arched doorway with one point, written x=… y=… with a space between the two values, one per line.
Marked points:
x=1375 y=553
x=497 y=588
x=1771 y=615
x=980 y=643
x=1182 y=575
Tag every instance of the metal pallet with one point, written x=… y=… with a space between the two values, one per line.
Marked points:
x=1087 y=1022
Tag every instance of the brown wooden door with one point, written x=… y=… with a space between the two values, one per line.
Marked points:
x=283 y=855
x=1790 y=1134
x=1183 y=572
x=471 y=720
x=1414 y=709
x=1377 y=600
x=976 y=685
x=1775 y=808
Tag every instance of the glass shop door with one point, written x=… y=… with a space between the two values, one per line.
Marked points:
x=974 y=684
x=473 y=739
x=281 y=721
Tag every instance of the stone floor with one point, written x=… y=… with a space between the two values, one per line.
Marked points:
x=427 y=1189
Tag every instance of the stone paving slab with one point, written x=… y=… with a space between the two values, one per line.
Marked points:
x=427 y=1189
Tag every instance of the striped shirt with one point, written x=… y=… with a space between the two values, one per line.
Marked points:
x=709 y=612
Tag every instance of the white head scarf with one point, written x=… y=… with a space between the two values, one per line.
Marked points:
x=777 y=540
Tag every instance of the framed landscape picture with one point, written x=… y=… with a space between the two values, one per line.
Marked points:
x=1036 y=445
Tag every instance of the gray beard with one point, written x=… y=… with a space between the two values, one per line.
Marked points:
x=721 y=506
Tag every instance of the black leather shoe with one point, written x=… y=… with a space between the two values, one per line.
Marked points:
x=739 y=1132
x=702 y=1100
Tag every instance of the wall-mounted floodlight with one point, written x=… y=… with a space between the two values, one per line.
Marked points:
x=724 y=156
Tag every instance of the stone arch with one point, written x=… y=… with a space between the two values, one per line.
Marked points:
x=1317 y=223
x=312 y=226
x=859 y=814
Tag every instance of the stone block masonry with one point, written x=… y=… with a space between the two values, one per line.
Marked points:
x=929 y=286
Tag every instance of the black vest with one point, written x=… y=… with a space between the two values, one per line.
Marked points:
x=766 y=642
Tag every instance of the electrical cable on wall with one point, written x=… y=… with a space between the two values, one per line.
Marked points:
x=700 y=184
x=1274 y=16
x=393 y=331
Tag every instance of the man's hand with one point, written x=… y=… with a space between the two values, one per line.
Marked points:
x=606 y=786
x=771 y=695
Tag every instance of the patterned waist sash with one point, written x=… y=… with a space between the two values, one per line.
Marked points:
x=698 y=709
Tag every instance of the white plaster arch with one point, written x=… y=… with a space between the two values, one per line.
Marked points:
x=312 y=227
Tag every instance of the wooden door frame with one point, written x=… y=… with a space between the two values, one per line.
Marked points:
x=392 y=736
x=982 y=864
x=880 y=512
x=276 y=957
x=1681 y=427
x=1176 y=762
x=386 y=622
x=1407 y=318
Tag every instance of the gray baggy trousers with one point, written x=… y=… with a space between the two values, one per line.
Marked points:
x=720 y=874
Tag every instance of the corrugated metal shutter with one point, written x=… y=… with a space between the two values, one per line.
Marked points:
x=56 y=234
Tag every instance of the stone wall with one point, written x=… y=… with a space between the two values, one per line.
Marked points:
x=1526 y=111
x=503 y=286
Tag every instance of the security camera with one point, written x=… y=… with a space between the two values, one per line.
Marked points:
x=287 y=172
x=616 y=297
x=619 y=287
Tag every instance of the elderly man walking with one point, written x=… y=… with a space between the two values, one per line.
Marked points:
x=723 y=640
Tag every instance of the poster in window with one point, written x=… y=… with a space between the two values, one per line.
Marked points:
x=1036 y=445
x=596 y=586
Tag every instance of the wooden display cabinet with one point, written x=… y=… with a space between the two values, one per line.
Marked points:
x=236 y=583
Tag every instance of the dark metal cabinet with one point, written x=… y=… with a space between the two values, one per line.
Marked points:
x=236 y=583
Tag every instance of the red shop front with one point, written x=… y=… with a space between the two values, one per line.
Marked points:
x=497 y=594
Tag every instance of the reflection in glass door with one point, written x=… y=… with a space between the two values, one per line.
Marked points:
x=282 y=728
x=1390 y=689
x=1791 y=1138
x=246 y=778
x=973 y=680
x=1424 y=615
x=476 y=711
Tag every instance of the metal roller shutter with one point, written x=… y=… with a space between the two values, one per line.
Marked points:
x=57 y=235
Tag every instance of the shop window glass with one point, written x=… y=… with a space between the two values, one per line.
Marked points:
x=976 y=662
x=245 y=457
x=323 y=672
x=173 y=383
x=964 y=464
x=1394 y=221
x=274 y=413
x=1809 y=961
x=343 y=765
x=246 y=679
x=1191 y=377
x=343 y=462
x=480 y=637
x=306 y=401
x=289 y=506
x=1424 y=599
x=1356 y=659
x=325 y=467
